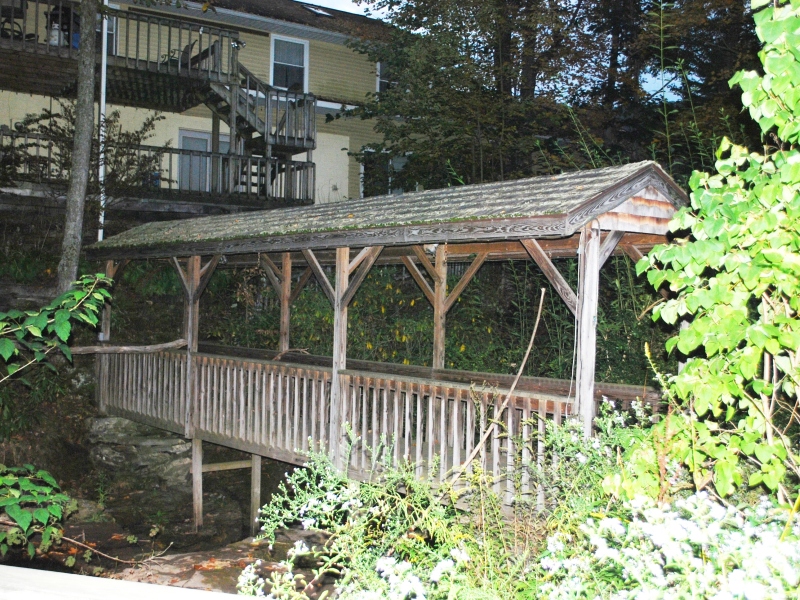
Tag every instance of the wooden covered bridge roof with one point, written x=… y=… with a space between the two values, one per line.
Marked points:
x=638 y=198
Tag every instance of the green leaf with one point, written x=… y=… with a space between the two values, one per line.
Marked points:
x=21 y=517
x=7 y=348
x=55 y=510
x=42 y=515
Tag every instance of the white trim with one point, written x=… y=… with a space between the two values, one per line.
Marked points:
x=334 y=105
x=283 y=38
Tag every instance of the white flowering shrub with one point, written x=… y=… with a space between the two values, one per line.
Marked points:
x=693 y=548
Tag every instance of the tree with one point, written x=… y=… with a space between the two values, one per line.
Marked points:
x=737 y=280
x=81 y=153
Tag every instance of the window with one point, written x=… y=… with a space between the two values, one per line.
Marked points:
x=112 y=34
x=383 y=77
x=290 y=64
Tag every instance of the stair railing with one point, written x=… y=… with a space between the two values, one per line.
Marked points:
x=282 y=117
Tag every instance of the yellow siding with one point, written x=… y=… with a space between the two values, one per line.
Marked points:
x=360 y=134
x=339 y=73
x=255 y=55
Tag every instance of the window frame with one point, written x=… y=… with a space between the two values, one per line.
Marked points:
x=292 y=40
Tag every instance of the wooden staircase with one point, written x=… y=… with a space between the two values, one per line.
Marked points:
x=271 y=121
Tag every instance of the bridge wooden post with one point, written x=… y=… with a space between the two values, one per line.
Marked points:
x=286 y=303
x=439 y=310
x=588 y=289
x=101 y=362
x=194 y=281
x=339 y=355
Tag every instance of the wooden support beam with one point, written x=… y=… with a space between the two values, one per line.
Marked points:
x=359 y=258
x=419 y=252
x=197 y=482
x=227 y=466
x=366 y=259
x=465 y=279
x=104 y=349
x=273 y=272
x=101 y=363
x=281 y=279
x=339 y=362
x=206 y=271
x=553 y=275
x=609 y=245
x=417 y=276
x=588 y=289
x=194 y=281
x=324 y=283
x=255 y=492
x=300 y=284
x=439 y=310
x=286 y=303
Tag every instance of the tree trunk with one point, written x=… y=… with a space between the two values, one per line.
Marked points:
x=82 y=150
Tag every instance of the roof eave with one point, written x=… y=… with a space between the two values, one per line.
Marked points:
x=514 y=228
x=649 y=175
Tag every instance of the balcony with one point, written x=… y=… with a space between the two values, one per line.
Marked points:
x=152 y=173
x=153 y=62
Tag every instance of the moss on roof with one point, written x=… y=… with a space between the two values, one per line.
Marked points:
x=542 y=198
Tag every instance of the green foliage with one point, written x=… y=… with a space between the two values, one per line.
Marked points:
x=31 y=505
x=487 y=328
x=737 y=280
x=28 y=337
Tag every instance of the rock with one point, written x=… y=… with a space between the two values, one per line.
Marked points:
x=126 y=448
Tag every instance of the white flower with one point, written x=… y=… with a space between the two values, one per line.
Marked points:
x=442 y=567
x=459 y=555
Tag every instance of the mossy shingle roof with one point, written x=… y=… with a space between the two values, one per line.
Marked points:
x=539 y=207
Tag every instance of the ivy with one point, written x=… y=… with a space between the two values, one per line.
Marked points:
x=736 y=279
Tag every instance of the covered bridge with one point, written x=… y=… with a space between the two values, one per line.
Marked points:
x=271 y=408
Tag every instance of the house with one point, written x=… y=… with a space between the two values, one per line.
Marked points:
x=283 y=66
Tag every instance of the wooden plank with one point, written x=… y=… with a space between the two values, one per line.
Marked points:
x=255 y=492
x=439 y=310
x=206 y=272
x=339 y=362
x=553 y=275
x=197 y=482
x=465 y=279
x=426 y=263
x=274 y=274
x=358 y=260
x=324 y=283
x=300 y=284
x=609 y=245
x=104 y=349
x=226 y=466
x=366 y=264
x=285 y=293
x=417 y=276
x=589 y=285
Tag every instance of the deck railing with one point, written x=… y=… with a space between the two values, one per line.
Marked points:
x=136 y=40
x=157 y=172
x=283 y=117
x=278 y=410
